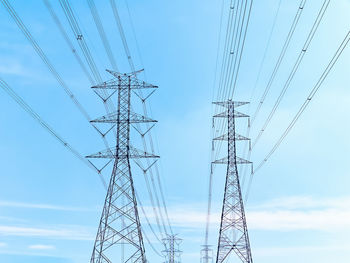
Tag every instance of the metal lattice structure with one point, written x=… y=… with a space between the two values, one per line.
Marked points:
x=172 y=252
x=119 y=237
x=233 y=244
x=206 y=254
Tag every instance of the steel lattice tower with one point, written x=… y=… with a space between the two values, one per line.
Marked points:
x=206 y=254
x=119 y=237
x=172 y=250
x=233 y=235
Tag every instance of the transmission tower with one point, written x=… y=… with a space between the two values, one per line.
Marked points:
x=119 y=237
x=206 y=254
x=233 y=234
x=172 y=252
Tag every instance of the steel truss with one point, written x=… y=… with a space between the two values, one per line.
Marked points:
x=233 y=234
x=119 y=237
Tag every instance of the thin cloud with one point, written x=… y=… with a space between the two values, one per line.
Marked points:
x=44 y=206
x=304 y=202
x=13 y=68
x=294 y=250
x=284 y=214
x=41 y=247
x=69 y=233
x=284 y=220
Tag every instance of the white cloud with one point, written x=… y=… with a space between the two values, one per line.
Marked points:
x=41 y=247
x=187 y=215
x=43 y=206
x=2 y=244
x=70 y=233
x=283 y=214
x=285 y=220
x=293 y=250
x=301 y=213
x=305 y=202
x=13 y=68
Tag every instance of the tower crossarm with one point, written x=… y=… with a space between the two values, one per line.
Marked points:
x=113 y=85
x=124 y=81
x=227 y=103
x=113 y=118
x=238 y=137
x=111 y=153
x=226 y=115
x=226 y=160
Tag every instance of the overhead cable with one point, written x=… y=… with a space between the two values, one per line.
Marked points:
x=313 y=92
x=68 y=11
x=18 y=99
x=44 y=58
x=280 y=58
x=144 y=106
x=66 y=38
x=262 y=63
x=102 y=33
x=46 y=126
x=295 y=68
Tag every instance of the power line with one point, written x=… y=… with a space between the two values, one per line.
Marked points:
x=135 y=38
x=150 y=226
x=149 y=189
x=280 y=58
x=247 y=157
x=163 y=198
x=66 y=38
x=75 y=27
x=77 y=31
x=46 y=61
x=158 y=181
x=108 y=105
x=235 y=75
x=227 y=45
x=44 y=58
x=234 y=50
x=295 y=68
x=80 y=38
x=240 y=28
x=274 y=72
x=149 y=171
x=122 y=34
x=158 y=203
x=132 y=66
x=313 y=92
x=227 y=54
x=102 y=33
x=236 y=31
x=18 y=99
x=265 y=50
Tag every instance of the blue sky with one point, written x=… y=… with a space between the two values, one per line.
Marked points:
x=299 y=204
